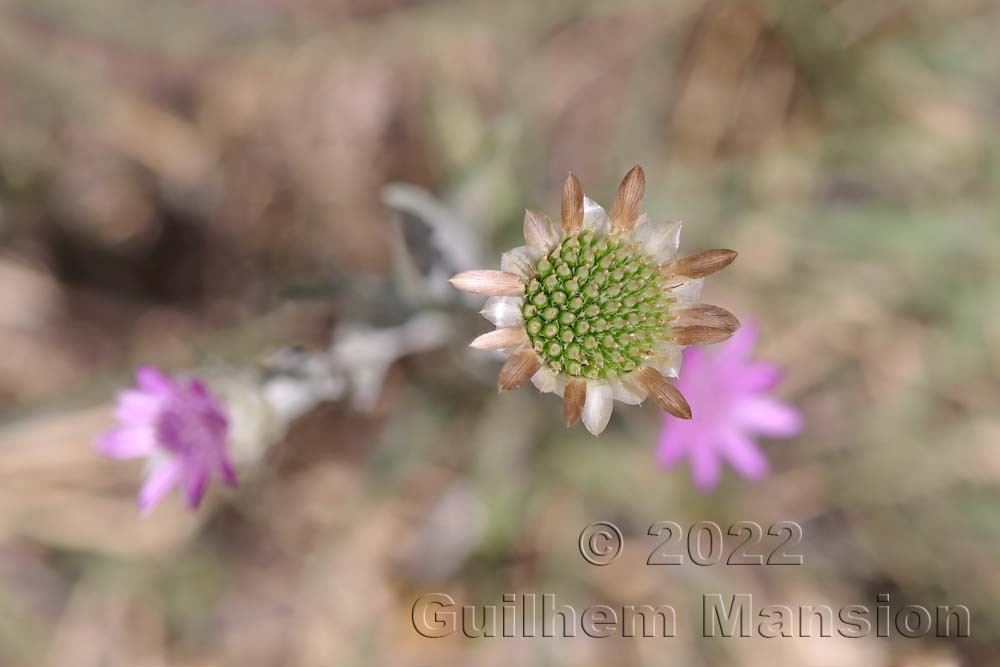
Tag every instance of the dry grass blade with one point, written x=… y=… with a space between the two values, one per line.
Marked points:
x=60 y=491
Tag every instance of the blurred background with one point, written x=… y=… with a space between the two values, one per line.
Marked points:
x=206 y=184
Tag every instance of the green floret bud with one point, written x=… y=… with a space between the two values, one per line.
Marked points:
x=595 y=309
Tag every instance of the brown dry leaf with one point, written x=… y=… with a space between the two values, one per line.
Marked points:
x=57 y=489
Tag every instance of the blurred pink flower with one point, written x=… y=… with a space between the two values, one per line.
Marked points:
x=180 y=427
x=728 y=394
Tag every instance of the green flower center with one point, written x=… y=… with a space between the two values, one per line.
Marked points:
x=595 y=308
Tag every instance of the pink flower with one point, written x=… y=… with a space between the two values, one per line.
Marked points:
x=728 y=394
x=180 y=427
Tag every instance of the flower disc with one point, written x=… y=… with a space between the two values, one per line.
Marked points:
x=595 y=308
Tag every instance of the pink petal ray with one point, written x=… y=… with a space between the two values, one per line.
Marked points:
x=195 y=488
x=127 y=442
x=740 y=346
x=756 y=377
x=744 y=454
x=158 y=484
x=137 y=407
x=706 y=467
x=768 y=416
x=153 y=381
x=671 y=448
x=228 y=472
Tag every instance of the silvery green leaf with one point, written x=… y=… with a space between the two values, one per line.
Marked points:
x=430 y=244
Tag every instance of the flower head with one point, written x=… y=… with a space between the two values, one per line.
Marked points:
x=599 y=308
x=728 y=394
x=180 y=427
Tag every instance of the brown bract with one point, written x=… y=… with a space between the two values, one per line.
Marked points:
x=666 y=395
x=572 y=206
x=705 y=314
x=628 y=201
x=700 y=264
x=519 y=368
x=574 y=397
x=698 y=335
x=500 y=339
x=489 y=283
x=703 y=324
